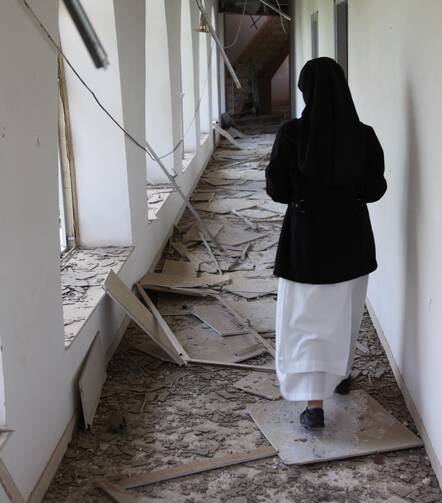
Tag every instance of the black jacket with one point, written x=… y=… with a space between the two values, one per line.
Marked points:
x=326 y=235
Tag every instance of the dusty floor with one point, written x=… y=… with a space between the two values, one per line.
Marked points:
x=176 y=415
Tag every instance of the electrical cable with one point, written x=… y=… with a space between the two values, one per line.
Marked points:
x=147 y=148
x=197 y=108
x=235 y=39
x=281 y=18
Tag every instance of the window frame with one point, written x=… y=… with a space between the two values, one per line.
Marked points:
x=66 y=169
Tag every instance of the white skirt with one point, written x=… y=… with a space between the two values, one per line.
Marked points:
x=316 y=331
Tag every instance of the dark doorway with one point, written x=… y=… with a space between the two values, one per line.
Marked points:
x=258 y=47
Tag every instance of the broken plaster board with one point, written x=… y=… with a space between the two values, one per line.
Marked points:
x=180 y=268
x=202 y=196
x=242 y=174
x=198 y=466
x=204 y=344
x=252 y=333
x=162 y=323
x=138 y=312
x=92 y=378
x=193 y=234
x=154 y=350
x=261 y=314
x=227 y=136
x=242 y=366
x=218 y=319
x=235 y=236
x=258 y=214
x=119 y=495
x=251 y=288
x=355 y=425
x=225 y=205
x=172 y=280
x=260 y=384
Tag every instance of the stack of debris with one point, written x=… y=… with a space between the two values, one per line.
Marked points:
x=213 y=303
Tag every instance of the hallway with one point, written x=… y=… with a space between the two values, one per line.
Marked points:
x=178 y=414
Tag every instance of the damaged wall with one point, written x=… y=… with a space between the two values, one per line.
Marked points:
x=37 y=375
x=396 y=86
x=40 y=375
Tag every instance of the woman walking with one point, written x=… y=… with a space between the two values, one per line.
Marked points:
x=326 y=166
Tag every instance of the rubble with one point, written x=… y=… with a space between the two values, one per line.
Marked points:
x=82 y=276
x=183 y=414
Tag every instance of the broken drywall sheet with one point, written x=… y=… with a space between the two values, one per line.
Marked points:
x=235 y=236
x=261 y=314
x=92 y=378
x=356 y=425
x=179 y=268
x=157 y=195
x=219 y=319
x=139 y=313
x=251 y=287
x=119 y=495
x=173 y=280
x=197 y=466
x=225 y=205
x=258 y=214
x=200 y=196
x=154 y=350
x=227 y=136
x=194 y=233
x=260 y=384
x=205 y=344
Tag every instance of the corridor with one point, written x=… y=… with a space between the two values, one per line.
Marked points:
x=173 y=415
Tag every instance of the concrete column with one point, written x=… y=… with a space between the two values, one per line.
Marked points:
x=99 y=147
x=130 y=20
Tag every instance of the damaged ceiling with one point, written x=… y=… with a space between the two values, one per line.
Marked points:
x=254 y=7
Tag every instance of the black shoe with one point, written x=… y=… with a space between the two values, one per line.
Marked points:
x=312 y=419
x=343 y=388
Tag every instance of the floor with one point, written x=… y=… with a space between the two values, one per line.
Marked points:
x=173 y=415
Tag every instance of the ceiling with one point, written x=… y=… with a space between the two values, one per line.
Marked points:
x=254 y=7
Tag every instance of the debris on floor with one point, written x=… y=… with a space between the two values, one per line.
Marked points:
x=178 y=388
x=82 y=275
x=263 y=385
x=356 y=425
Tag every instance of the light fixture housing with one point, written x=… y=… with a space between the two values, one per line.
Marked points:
x=202 y=28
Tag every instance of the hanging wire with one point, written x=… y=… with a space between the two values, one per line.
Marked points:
x=281 y=18
x=197 y=108
x=239 y=27
x=146 y=148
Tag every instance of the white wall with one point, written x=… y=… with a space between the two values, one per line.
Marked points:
x=40 y=376
x=37 y=403
x=396 y=82
x=100 y=157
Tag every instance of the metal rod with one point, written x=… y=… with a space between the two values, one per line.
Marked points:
x=219 y=44
x=87 y=33
x=171 y=179
x=279 y=11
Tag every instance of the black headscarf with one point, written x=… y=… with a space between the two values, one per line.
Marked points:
x=330 y=144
